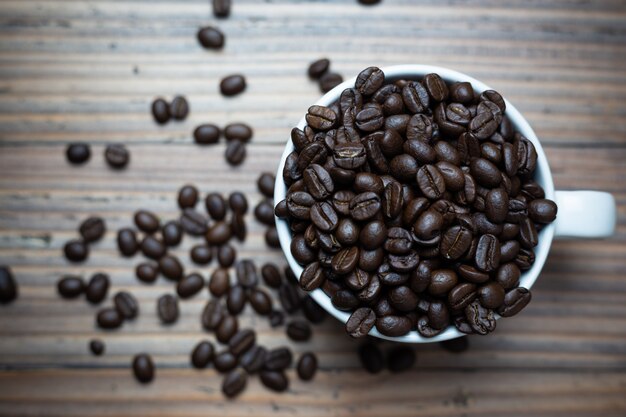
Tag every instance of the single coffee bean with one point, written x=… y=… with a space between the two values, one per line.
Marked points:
x=393 y=326
x=96 y=346
x=312 y=277
x=247 y=273
x=226 y=255
x=481 y=319
x=179 y=108
x=330 y=80
x=431 y=182
x=210 y=37
x=206 y=134
x=126 y=304
x=190 y=285
x=265 y=184
x=415 y=97
x=274 y=380
x=402 y=298
x=171 y=268
x=219 y=283
x=542 y=210
x=68 y=287
x=436 y=87
x=260 y=301
x=514 y=301
x=299 y=331
x=202 y=354
x=271 y=275
x=488 y=253
x=307 y=366
x=318 y=68
x=238 y=202
x=369 y=80
x=160 y=111
x=361 y=322
x=187 y=196
x=455 y=242
x=491 y=295
x=227 y=329
x=76 y=251
x=147 y=272
x=236 y=300
x=428 y=225
x=225 y=362
x=97 y=288
x=221 y=8
x=400 y=359
x=238 y=131
x=78 y=153
x=370 y=119
x=264 y=212
x=146 y=221
x=8 y=286
x=235 y=152
x=109 y=318
x=508 y=250
x=461 y=295
x=234 y=383
x=233 y=84
x=193 y=222
x=442 y=281
x=167 y=309
x=92 y=229
x=212 y=315
x=271 y=237
x=143 y=368
x=254 y=359
x=371 y=358
x=117 y=156
x=278 y=359
x=153 y=247
x=320 y=117
x=241 y=342
x=485 y=173
x=201 y=254
x=172 y=233
x=127 y=242
x=496 y=205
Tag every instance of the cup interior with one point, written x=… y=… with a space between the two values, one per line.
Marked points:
x=543 y=176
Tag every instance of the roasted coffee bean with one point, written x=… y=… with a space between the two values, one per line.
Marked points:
x=254 y=359
x=225 y=362
x=218 y=233
x=246 y=273
x=289 y=298
x=508 y=275
x=393 y=326
x=97 y=288
x=349 y=156
x=219 y=282
x=425 y=329
x=542 y=210
x=271 y=275
x=436 y=87
x=345 y=260
x=271 y=237
x=227 y=329
x=126 y=304
x=369 y=80
x=299 y=331
x=143 y=368
x=193 y=222
x=212 y=315
x=347 y=232
x=330 y=80
x=461 y=295
x=8 y=286
x=153 y=247
x=370 y=119
x=160 y=111
x=485 y=173
x=202 y=354
x=371 y=358
x=491 y=295
x=260 y=301
x=109 y=318
x=235 y=152
x=373 y=235
x=481 y=319
x=307 y=366
x=172 y=233
x=528 y=236
x=361 y=322
x=471 y=274
x=238 y=131
x=274 y=380
x=318 y=181
x=265 y=184
x=442 y=281
x=241 y=342
x=78 y=153
x=312 y=277
x=321 y=118
x=190 y=285
x=226 y=255
x=514 y=301
x=210 y=37
x=179 y=108
x=117 y=156
x=221 y=8
x=365 y=181
x=318 y=68
x=364 y=206
x=403 y=167
x=167 y=309
x=428 y=225
x=171 y=268
x=301 y=251
x=233 y=84
x=455 y=242
x=96 y=347
x=92 y=229
x=187 y=196
x=496 y=205
x=206 y=134
x=127 y=242
x=400 y=359
x=236 y=299
x=68 y=287
x=201 y=254
x=509 y=250
x=76 y=250
x=398 y=241
x=461 y=92
x=216 y=206
x=147 y=272
x=488 y=253
x=494 y=97
x=278 y=359
x=402 y=298
x=430 y=181
x=344 y=300
x=299 y=204
x=452 y=175
x=415 y=97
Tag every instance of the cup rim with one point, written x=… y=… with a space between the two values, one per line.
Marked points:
x=543 y=176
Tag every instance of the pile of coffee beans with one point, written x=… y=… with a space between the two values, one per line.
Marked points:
x=8 y=286
x=177 y=109
x=264 y=210
x=319 y=70
x=413 y=205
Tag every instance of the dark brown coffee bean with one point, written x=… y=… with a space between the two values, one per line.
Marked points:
x=430 y=181
x=210 y=37
x=167 y=309
x=312 y=277
x=494 y=97
x=402 y=298
x=238 y=131
x=271 y=275
x=398 y=123
x=481 y=319
x=345 y=260
x=299 y=331
x=260 y=302
x=216 y=206
x=278 y=359
x=226 y=256
x=254 y=359
x=179 y=108
x=442 y=281
x=143 y=368
x=400 y=359
x=318 y=182
x=212 y=315
x=398 y=241
x=96 y=347
x=365 y=181
x=274 y=380
x=78 y=153
x=117 y=156
x=219 y=233
x=299 y=204
x=241 y=342
x=415 y=97
x=330 y=80
x=350 y=98
x=265 y=184
x=187 y=196
x=491 y=295
x=160 y=111
x=289 y=298
x=307 y=366
x=206 y=134
x=461 y=92
x=246 y=273
x=235 y=152
x=190 y=285
x=514 y=301
x=461 y=295
x=496 y=205
x=371 y=358
x=147 y=272
x=172 y=233
x=318 y=68
x=202 y=354
x=393 y=326
x=201 y=254
x=219 y=282
x=8 y=286
x=485 y=173
x=321 y=118
x=542 y=211
x=193 y=222
x=390 y=143
x=528 y=236
x=109 y=318
x=436 y=87
x=171 y=268
x=324 y=217
x=225 y=362
x=344 y=300
x=153 y=247
x=349 y=155
x=508 y=275
x=452 y=175
x=97 y=288
x=471 y=274
x=361 y=322
x=428 y=225
x=455 y=242
x=236 y=299
x=92 y=229
x=488 y=253
x=370 y=119
x=509 y=250
x=126 y=304
x=233 y=84
x=364 y=206
x=369 y=80
x=70 y=286
x=76 y=251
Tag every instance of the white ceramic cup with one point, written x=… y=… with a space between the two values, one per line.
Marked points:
x=586 y=214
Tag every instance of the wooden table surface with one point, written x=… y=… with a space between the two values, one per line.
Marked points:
x=88 y=70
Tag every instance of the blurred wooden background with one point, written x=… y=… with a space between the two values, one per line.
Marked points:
x=88 y=70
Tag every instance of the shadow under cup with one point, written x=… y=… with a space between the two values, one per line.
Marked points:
x=543 y=177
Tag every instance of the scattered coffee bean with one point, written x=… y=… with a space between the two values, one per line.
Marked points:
x=179 y=108
x=190 y=285
x=254 y=359
x=236 y=300
x=172 y=233
x=76 y=251
x=143 y=368
x=276 y=318
x=117 y=156
x=330 y=80
x=171 y=268
x=206 y=134
x=201 y=254
x=78 y=153
x=147 y=272
x=307 y=366
x=109 y=318
x=235 y=152
x=160 y=111
x=219 y=282
x=127 y=242
x=274 y=380
x=260 y=301
x=232 y=85
x=265 y=184
x=167 y=309
x=210 y=37
x=68 y=287
x=221 y=8
x=278 y=359
x=187 y=197
x=193 y=222
x=146 y=221
x=212 y=315
x=238 y=202
x=96 y=346
x=361 y=322
x=153 y=247
x=234 y=383
x=97 y=288
x=318 y=68
x=225 y=362
x=226 y=255
x=238 y=131
x=241 y=342
x=92 y=229
x=8 y=286
x=271 y=275
x=202 y=354
x=299 y=331
x=227 y=329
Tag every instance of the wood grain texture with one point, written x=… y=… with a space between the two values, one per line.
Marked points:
x=87 y=71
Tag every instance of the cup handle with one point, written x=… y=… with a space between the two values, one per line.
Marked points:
x=587 y=214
